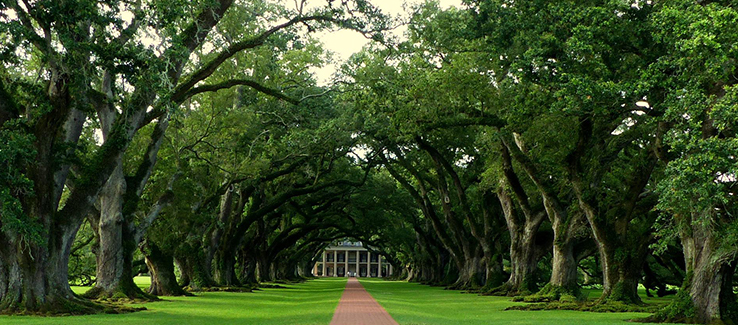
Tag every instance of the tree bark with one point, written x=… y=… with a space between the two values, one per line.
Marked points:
x=192 y=265
x=264 y=268
x=707 y=296
x=472 y=275
x=565 y=226
x=494 y=272
x=116 y=242
x=564 y=266
x=34 y=278
x=224 y=217
x=523 y=262
x=247 y=269
x=524 y=253
x=161 y=268
x=622 y=253
x=711 y=292
x=224 y=268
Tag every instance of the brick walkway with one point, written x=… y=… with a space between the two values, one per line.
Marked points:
x=357 y=307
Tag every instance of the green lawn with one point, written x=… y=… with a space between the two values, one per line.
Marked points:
x=412 y=303
x=312 y=302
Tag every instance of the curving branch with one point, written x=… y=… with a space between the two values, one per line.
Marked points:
x=210 y=67
x=237 y=82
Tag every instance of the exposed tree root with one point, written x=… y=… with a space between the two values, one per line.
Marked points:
x=222 y=289
x=506 y=290
x=552 y=293
x=61 y=306
x=270 y=286
x=682 y=310
x=123 y=294
x=613 y=307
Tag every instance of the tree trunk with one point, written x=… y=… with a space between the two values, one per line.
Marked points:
x=711 y=292
x=523 y=224
x=248 y=269
x=264 y=269
x=472 y=275
x=192 y=265
x=494 y=273
x=184 y=274
x=622 y=245
x=523 y=263
x=33 y=277
x=563 y=281
x=161 y=268
x=707 y=296
x=622 y=266
x=564 y=267
x=224 y=268
x=226 y=207
x=306 y=269
x=412 y=274
x=114 y=279
x=524 y=253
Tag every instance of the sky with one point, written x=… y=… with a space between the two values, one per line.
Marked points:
x=343 y=43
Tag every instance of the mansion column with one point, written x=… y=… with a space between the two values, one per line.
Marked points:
x=324 y=263
x=357 y=263
x=335 y=264
x=345 y=260
x=379 y=268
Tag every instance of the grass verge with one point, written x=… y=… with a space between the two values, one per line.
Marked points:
x=311 y=302
x=412 y=303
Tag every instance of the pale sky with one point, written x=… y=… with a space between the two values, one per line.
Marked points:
x=344 y=43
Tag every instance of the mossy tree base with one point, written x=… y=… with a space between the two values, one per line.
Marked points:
x=508 y=290
x=613 y=307
x=124 y=293
x=682 y=310
x=222 y=289
x=552 y=293
x=621 y=292
x=61 y=306
x=467 y=285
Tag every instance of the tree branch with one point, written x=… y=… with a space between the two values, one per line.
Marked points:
x=237 y=82
x=209 y=68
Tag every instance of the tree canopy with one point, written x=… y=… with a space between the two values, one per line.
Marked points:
x=513 y=148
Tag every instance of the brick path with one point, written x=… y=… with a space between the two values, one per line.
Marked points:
x=357 y=307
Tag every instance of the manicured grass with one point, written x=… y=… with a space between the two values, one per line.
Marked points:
x=412 y=303
x=312 y=302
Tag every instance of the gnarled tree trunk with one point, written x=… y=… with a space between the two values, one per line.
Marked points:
x=248 y=269
x=524 y=257
x=224 y=267
x=524 y=250
x=622 y=253
x=116 y=246
x=707 y=296
x=264 y=268
x=33 y=277
x=195 y=275
x=472 y=274
x=161 y=268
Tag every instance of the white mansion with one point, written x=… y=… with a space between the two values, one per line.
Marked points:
x=351 y=259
